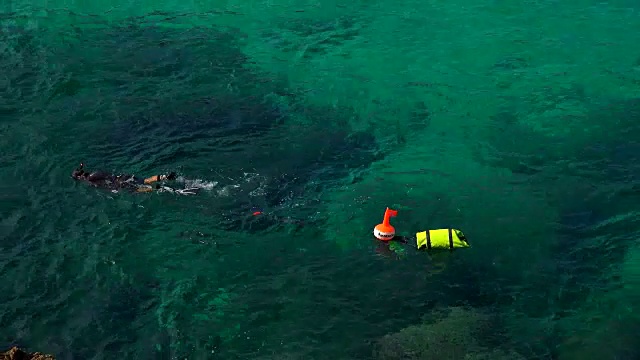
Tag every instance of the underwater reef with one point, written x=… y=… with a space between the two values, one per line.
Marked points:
x=17 y=354
x=139 y=97
x=590 y=178
x=454 y=334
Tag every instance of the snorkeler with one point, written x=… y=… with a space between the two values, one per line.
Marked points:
x=128 y=182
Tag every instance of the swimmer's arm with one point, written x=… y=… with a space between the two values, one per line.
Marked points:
x=144 y=189
x=151 y=180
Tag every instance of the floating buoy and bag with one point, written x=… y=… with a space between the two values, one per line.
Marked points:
x=445 y=239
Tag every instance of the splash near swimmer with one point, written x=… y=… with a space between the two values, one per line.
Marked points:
x=237 y=185
x=197 y=183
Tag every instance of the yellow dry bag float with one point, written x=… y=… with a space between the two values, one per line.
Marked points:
x=430 y=239
x=441 y=239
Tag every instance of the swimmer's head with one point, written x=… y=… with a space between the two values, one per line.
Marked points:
x=79 y=173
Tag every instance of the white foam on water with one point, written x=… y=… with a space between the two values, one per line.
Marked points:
x=197 y=183
x=253 y=183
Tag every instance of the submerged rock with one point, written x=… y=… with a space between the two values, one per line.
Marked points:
x=16 y=354
x=456 y=335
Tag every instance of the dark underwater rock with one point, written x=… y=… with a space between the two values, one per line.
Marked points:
x=178 y=86
x=607 y=150
x=17 y=354
x=456 y=335
x=131 y=88
x=514 y=62
x=195 y=99
x=590 y=179
x=516 y=147
x=312 y=36
x=591 y=245
x=593 y=230
x=137 y=97
x=294 y=178
x=611 y=338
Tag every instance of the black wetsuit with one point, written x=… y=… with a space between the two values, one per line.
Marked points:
x=113 y=182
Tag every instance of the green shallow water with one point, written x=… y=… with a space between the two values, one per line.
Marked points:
x=515 y=122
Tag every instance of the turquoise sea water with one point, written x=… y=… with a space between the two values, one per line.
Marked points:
x=513 y=121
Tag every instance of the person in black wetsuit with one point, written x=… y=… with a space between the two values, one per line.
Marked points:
x=119 y=182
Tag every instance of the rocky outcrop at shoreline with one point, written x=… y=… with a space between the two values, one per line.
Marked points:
x=16 y=354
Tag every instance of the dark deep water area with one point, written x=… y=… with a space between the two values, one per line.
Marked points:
x=299 y=123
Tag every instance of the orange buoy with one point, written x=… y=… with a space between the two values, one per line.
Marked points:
x=385 y=231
